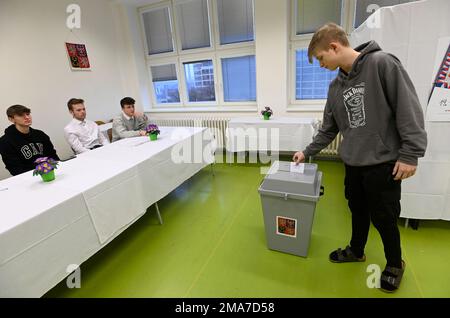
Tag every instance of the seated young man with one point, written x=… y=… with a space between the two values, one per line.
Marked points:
x=129 y=123
x=21 y=145
x=82 y=134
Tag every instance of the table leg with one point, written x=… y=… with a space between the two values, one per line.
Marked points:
x=158 y=213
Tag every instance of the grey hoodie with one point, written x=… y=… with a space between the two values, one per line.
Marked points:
x=123 y=127
x=376 y=109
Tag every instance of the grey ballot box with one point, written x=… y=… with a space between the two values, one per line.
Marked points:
x=288 y=201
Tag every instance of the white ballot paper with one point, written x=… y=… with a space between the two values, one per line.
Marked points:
x=300 y=168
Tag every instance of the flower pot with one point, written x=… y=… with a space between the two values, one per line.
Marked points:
x=153 y=136
x=266 y=117
x=47 y=177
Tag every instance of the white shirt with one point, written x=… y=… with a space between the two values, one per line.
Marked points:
x=126 y=116
x=83 y=135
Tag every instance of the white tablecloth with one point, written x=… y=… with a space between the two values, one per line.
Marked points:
x=45 y=227
x=276 y=134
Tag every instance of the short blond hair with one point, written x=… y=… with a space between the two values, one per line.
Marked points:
x=330 y=32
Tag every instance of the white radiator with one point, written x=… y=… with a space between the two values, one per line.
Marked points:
x=219 y=127
x=333 y=148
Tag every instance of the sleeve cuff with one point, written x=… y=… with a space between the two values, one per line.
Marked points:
x=408 y=160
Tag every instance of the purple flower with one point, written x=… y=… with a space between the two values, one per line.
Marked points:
x=41 y=160
x=152 y=129
x=44 y=165
x=267 y=111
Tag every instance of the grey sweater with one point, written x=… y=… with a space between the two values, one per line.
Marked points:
x=124 y=128
x=376 y=109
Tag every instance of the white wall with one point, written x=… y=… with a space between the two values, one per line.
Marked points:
x=35 y=69
x=272 y=54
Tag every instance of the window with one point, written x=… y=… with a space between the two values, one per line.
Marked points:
x=158 y=31
x=189 y=65
x=239 y=78
x=165 y=83
x=235 y=21
x=198 y=88
x=312 y=14
x=193 y=23
x=364 y=8
x=311 y=81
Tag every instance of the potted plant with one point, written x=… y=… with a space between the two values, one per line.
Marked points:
x=45 y=167
x=267 y=112
x=152 y=131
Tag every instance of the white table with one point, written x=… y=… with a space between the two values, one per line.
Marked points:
x=276 y=134
x=45 y=227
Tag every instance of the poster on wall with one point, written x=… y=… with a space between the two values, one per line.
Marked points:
x=439 y=104
x=443 y=75
x=78 y=57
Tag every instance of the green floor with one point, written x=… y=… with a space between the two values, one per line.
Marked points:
x=212 y=244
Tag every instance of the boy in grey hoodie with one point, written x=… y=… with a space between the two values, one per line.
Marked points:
x=373 y=103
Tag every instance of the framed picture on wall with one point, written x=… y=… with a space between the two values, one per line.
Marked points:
x=78 y=57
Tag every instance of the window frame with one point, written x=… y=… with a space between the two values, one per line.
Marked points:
x=302 y=42
x=163 y=61
x=154 y=7
x=220 y=46
x=215 y=53
x=180 y=50
x=231 y=54
x=194 y=58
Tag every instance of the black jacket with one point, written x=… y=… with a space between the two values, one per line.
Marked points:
x=19 y=151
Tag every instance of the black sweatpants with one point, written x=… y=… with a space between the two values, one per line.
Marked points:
x=373 y=194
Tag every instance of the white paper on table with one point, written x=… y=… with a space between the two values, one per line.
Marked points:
x=300 y=168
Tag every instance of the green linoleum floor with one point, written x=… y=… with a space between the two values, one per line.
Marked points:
x=213 y=244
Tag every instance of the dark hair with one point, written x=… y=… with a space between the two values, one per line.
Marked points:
x=18 y=110
x=127 y=101
x=74 y=101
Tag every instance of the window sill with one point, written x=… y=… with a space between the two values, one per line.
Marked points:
x=229 y=109
x=305 y=108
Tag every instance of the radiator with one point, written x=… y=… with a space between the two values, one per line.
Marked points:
x=219 y=126
x=333 y=149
